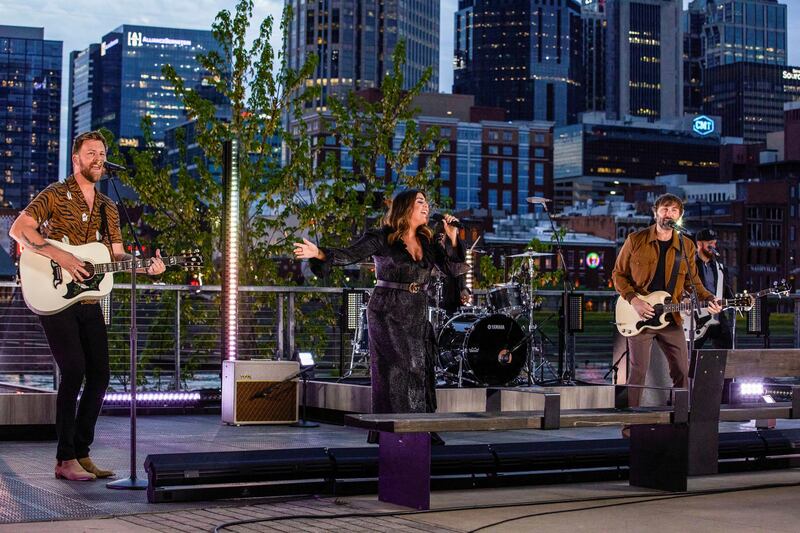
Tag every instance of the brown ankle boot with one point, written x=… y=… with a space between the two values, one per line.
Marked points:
x=73 y=471
x=89 y=466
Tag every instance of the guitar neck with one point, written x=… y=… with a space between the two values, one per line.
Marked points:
x=685 y=307
x=127 y=265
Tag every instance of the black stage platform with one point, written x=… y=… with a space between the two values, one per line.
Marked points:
x=29 y=492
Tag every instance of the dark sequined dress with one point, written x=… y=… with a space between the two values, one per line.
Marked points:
x=402 y=346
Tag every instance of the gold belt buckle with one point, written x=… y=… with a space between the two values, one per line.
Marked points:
x=413 y=287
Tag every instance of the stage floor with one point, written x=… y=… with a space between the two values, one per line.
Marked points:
x=29 y=492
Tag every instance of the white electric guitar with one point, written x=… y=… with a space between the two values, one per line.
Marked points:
x=704 y=320
x=47 y=289
x=629 y=323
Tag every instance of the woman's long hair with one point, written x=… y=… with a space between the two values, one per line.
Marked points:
x=398 y=216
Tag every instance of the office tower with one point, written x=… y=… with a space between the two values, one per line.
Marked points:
x=644 y=75
x=521 y=55
x=30 y=113
x=743 y=30
x=354 y=41
x=594 y=54
x=115 y=83
x=750 y=97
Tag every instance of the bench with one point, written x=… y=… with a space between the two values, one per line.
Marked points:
x=708 y=370
x=658 y=447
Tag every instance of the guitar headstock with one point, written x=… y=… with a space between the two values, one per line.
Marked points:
x=781 y=288
x=191 y=260
x=742 y=301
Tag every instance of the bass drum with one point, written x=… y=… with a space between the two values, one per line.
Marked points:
x=491 y=345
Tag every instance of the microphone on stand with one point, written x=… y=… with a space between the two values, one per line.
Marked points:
x=114 y=167
x=675 y=225
x=539 y=200
x=436 y=217
x=714 y=251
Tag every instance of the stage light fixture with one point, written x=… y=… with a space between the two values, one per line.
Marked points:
x=353 y=300
x=575 y=312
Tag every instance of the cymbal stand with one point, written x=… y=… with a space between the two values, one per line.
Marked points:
x=535 y=334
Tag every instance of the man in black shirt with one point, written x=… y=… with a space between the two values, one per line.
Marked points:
x=713 y=274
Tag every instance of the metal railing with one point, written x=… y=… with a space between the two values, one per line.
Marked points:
x=180 y=342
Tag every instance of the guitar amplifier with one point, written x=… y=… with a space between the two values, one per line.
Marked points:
x=254 y=392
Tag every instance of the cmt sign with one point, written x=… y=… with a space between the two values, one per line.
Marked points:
x=703 y=125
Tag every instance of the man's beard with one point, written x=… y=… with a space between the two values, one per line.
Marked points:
x=664 y=223
x=87 y=173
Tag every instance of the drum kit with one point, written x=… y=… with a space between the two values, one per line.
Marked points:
x=495 y=344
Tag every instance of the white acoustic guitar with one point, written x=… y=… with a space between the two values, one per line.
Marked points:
x=47 y=289
x=704 y=320
x=629 y=323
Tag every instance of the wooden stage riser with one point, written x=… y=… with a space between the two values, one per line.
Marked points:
x=356 y=398
x=27 y=408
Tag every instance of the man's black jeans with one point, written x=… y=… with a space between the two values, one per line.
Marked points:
x=79 y=343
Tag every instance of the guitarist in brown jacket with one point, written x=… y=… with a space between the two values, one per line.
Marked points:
x=649 y=261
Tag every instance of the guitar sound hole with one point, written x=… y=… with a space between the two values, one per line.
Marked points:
x=89 y=267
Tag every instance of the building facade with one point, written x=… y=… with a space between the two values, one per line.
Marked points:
x=593 y=52
x=599 y=158
x=523 y=56
x=644 y=75
x=693 y=21
x=116 y=83
x=30 y=113
x=487 y=164
x=749 y=97
x=354 y=41
x=743 y=30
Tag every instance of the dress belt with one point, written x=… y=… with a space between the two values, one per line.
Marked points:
x=412 y=287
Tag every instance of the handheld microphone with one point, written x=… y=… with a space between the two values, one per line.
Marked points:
x=114 y=167
x=436 y=217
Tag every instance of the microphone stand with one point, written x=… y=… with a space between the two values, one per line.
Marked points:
x=565 y=376
x=131 y=482
x=692 y=293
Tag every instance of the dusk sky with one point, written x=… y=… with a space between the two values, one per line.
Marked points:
x=81 y=22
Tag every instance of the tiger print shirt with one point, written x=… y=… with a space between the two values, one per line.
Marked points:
x=63 y=215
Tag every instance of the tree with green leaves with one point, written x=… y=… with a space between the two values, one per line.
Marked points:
x=282 y=198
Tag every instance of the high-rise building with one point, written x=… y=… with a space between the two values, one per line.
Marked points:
x=523 y=56
x=750 y=97
x=595 y=28
x=693 y=21
x=115 y=83
x=354 y=41
x=644 y=58
x=743 y=30
x=30 y=113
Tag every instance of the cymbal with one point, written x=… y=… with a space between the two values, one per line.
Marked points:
x=532 y=254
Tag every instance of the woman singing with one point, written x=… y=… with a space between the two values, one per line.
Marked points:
x=402 y=346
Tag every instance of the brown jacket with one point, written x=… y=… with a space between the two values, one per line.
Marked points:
x=637 y=261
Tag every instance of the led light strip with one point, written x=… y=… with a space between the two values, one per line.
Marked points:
x=168 y=397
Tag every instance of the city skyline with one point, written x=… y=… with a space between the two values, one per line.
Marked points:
x=83 y=23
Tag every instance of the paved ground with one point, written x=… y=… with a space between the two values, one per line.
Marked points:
x=31 y=500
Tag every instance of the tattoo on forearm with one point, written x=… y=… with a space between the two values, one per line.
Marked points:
x=34 y=245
